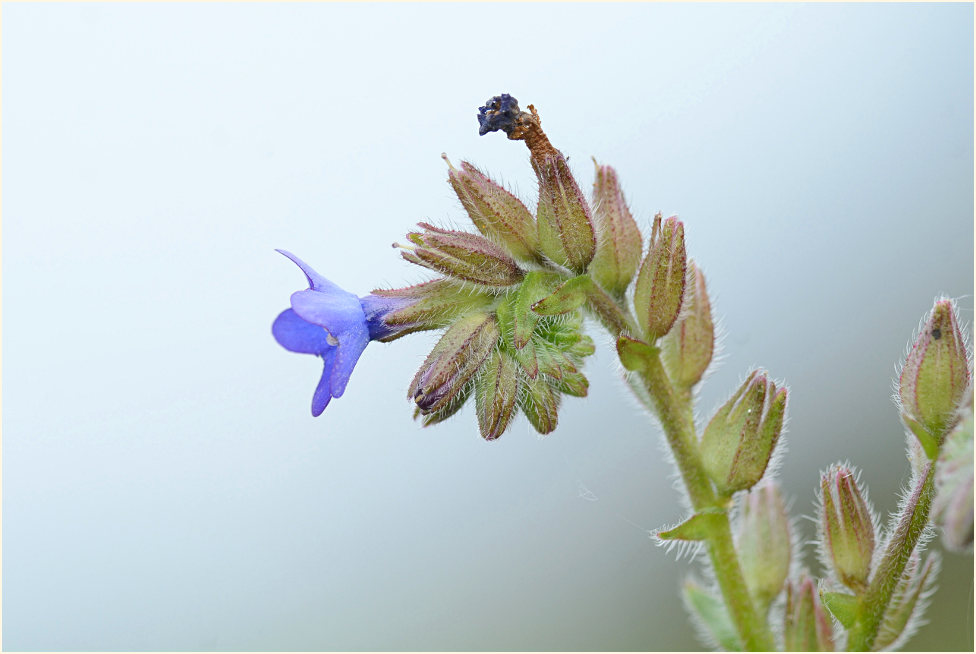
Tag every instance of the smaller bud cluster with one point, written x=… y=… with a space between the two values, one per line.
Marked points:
x=738 y=442
x=952 y=509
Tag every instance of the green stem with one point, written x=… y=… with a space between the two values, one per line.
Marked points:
x=874 y=602
x=673 y=408
x=680 y=433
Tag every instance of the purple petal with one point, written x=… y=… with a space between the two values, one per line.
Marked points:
x=323 y=392
x=339 y=313
x=297 y=335
x=351 y=346
x=315 y=281
x=375 y=308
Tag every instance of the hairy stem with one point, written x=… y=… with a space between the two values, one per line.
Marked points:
x=674 y=410
x=911 y=524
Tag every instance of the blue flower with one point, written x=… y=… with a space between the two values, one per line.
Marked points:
x=501 y=112
x=334 y=324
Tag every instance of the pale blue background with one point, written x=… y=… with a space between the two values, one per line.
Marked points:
x=164 y=486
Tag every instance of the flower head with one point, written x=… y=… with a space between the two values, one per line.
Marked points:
x=333 y=324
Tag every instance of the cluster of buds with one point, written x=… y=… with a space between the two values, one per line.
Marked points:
x=806 y=625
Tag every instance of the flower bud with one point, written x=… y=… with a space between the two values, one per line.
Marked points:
x=430 y=305
x=936 y=373
x=764 y=543
x=687 y=348
x=847 y=528
x=908 y=602
x=660 y=286
x=739 y=439
x=618 y=240
x=465 y=256
x=453 y=362
x=540 y=403
x=952 y=509
x=566 y=234
x=806 y=627
x=495 y=391
x=496 y=213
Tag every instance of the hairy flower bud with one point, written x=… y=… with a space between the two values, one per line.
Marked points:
x=660 y=287
x=540 y=403
x=465 y=256
x=495 y=391
x=935 y=375
x=908 y=602
x=806 y=627
x=764 y=543
x=952 y=509
x=739 y=439
x=430 y=305
x=566 y=234
x=496 y=213
x=618 y=240
x=847 y=528
x=687 y=348
x=454 y=361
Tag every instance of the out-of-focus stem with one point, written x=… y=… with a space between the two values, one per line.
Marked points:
x=874 y=602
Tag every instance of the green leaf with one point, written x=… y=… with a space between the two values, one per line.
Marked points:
x=842 y=606
x=571 y=295
x=697 y=527
x=711 y=612
x=634 y=354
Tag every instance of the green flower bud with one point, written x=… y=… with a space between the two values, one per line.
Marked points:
x=454 y=361
x=908 y=602
x=566 y=234
x=660 y=287
x=847 y=528
x=496 y=213
x=806 y=627
x=687 y=348
x=431 y=305
x=495 y=391
x=935 y=375
x=618 y=240
x=461 y=255
x=739 y=439
x=764 y=543
x=540 y=403
x=952 y=509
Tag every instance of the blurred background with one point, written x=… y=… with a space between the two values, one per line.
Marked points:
x=164 y=485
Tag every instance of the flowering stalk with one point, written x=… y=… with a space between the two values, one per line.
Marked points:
x=511 y=302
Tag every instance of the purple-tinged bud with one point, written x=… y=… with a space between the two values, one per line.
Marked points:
x=687 y=348
x=618 y=239
x=660 y=287
x=806 y=627
x=540 y=403
x=952 y=509
x=566 y=234
x=739 y=439
x=935 y=376
x=453 y=362
x=495 y=391
x=847 y=528
x=430 y=305
x=764 y=543
x=908 y=602
x=461 y=255
x=496 y=213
